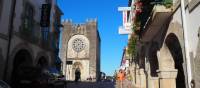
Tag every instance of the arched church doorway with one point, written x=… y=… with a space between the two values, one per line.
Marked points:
x=175 y=49
x=22 y=63
x=77 y=66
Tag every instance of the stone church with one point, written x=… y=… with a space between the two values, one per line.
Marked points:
x=80 y=49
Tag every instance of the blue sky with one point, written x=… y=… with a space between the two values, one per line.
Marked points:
x=109 y=19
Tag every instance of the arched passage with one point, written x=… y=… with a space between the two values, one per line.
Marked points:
x=77 y=65
x=175 y=49
x=153 y=60
x=22 y=62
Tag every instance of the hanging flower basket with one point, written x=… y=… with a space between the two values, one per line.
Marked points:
x=138 y=7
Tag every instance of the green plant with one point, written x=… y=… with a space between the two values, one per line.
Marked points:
x=134 y=27
x=132 y=45
x=168 y=3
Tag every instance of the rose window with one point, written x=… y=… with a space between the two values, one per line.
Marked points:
x=78 y=45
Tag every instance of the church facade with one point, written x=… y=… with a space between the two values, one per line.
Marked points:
x=80 y=49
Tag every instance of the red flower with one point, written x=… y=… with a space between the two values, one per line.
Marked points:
x=138 y=7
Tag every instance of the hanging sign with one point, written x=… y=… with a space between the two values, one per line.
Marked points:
x=45 y=15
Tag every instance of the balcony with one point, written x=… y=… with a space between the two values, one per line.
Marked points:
x=159 y=17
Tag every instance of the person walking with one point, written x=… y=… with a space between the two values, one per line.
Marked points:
x=121 y=77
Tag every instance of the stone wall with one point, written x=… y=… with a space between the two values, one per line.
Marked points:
x=197 y=66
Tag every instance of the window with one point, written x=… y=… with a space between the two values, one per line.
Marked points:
x=27 y=22
x=28 y=19
x=78 y=44
x=1 y=7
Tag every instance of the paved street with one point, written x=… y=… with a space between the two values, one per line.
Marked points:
x=98 y=85
x=91 y=85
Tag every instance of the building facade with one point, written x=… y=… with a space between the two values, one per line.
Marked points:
x=24 y=41
x=168 y=43
x=81 y=50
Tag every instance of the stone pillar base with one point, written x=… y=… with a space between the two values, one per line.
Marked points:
x=154 y=82
x=168 y=78
x=140 y=78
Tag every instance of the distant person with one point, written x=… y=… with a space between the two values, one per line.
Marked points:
x=77 y=74
x=121 y=77
x=90 y=78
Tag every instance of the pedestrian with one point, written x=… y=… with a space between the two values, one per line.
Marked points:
x=121 y=77
x=77 y=74
x=90 y=78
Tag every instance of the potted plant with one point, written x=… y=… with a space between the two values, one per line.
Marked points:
x=168 y=3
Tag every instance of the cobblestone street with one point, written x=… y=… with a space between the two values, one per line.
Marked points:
x=91 y=85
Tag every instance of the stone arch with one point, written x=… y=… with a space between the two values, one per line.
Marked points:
x=170 y=65
x=175 y=49
x=22 y=65
x=76 y=65
x=165 y=60
x=175 y=29
x=21 y=46
x=42 y=60
x=14 y=51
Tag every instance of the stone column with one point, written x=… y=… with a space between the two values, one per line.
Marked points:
x=167 y=78
x=137 y=76
x=154 y=82
x=132 y=72
x=142 y=78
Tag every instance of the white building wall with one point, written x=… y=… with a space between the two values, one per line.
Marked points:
x=177 y=16
x=193 y=21
x=193 y=24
